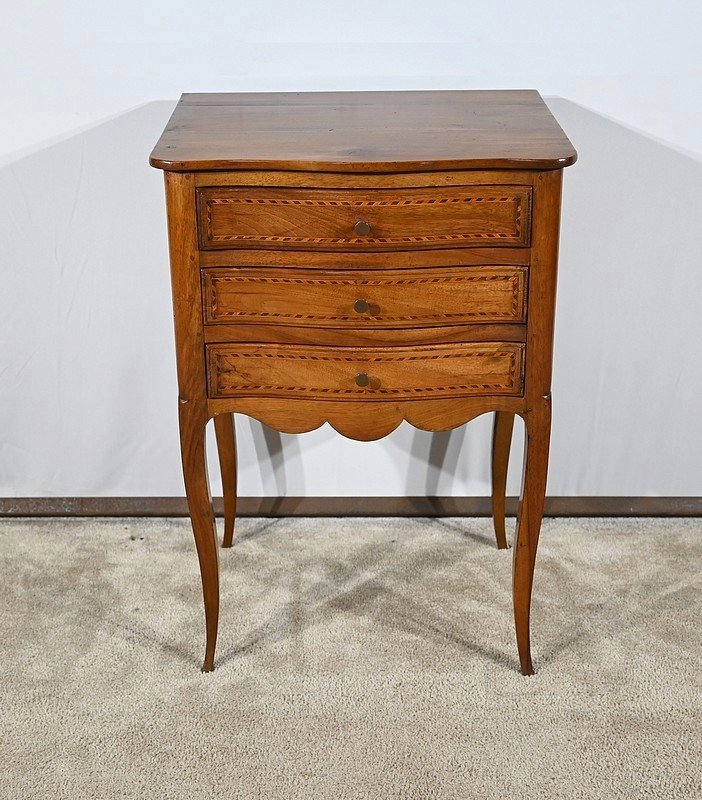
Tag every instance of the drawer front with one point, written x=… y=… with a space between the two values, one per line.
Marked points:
x=382 y=299
x=364 y=219
x=365 y=373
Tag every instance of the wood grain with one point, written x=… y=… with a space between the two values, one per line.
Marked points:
x=364 y=421
x=327 y=219
x=501 y=442
x=529 y=514
x=389 y=299
x=348 y=337
x=363 y=132
x=192 y=394
x=373 y=180
x=397 y=259
x=451 y=370
x=225 y=434
x=537 y=415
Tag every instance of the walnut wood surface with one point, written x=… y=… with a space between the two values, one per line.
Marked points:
x=402 y=373
x=363 y=132
x=389 y=299
x=364 y=219
x=373 y=180
x=362 y=337
x=396 y=259
x=531 y=508
x=225 y=434
x=352 y=418
x=269 y=323
x=192 y=392
x=537 y=412
x=501 y=442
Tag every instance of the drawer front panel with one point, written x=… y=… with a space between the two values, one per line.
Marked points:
x=364 y=219
x=400 y=373
x=384 y=299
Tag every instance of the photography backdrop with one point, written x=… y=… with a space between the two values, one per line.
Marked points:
x=87 y=371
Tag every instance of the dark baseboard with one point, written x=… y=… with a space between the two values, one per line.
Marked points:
x=348 y=506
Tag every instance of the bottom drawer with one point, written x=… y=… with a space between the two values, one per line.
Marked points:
x=365 y=373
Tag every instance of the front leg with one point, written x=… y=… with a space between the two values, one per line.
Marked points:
x=531 y=506
x=197 y=489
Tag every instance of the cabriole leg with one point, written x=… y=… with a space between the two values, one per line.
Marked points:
x=225 y=433
x=197 y=489
x=501 y=442
x=531 y=506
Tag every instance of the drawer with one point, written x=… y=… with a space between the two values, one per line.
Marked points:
x=364 y=219
x=365 y=373
x=355 y=299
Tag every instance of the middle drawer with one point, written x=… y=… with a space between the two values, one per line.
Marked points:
x=353 y=299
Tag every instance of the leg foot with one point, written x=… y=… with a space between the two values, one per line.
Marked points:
x=197 y=489
x=531 y=507
x=501 y=441
x=225 y=433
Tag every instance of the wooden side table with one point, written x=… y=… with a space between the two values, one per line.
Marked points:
x=362 y=259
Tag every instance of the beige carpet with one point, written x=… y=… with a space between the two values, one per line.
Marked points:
x=357 y=659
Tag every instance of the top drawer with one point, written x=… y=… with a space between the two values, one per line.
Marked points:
x=364 y=219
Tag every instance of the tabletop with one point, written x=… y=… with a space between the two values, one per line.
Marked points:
x=363 y=132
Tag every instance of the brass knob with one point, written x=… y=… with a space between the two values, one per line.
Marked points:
x=361 y=306
x=362 y=379
x=362 y=228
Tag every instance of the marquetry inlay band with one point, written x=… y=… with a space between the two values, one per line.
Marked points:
x=513 y=283
x=415 y=201
x=511 y=228
x=226 y=378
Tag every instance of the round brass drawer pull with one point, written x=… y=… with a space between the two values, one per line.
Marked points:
x=362 y=379
x=361 y=306
x=362 y=228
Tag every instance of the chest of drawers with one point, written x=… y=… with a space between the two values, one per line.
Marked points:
x=361 y=259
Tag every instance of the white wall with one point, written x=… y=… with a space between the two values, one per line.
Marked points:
x=87 y=387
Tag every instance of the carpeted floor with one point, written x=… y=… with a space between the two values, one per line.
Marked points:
x=357 y=659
